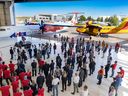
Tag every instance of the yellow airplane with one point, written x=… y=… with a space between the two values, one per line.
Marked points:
x=98 y=29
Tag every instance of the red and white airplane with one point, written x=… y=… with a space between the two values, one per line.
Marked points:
x=60 y=26
x=30 y=28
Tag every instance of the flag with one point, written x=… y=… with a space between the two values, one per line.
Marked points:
x=24 y=34
x=13 y=35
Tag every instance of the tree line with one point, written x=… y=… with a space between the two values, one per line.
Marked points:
x=113 y=20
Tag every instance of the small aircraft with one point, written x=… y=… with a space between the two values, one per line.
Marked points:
x=60 y=26
x=91 y=28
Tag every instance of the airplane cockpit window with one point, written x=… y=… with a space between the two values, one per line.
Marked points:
x=2 y=30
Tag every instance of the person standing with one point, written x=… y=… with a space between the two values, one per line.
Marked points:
x=100 y=75
x=79 y=62
x=43 y=52
x=73 y=60
x=22 y=67
x=81 y=75
x=64 y=80
x=41 y=65
x=118 y=81
x=122 y=71
x=109 y=59
x=113 y=66
x=85 y=68
x=25 y=83
x=104 y=50
x=15 y=85
x=48 y=52
x=12 y=68
x=30 y=53
x=34 y=68
x=49 y=82
x=34 y=87
x=76 y=79
x=24 y=56
x=6 y=75
x=35 y=51
x=69 y=60
x=55 y=83
x=84 y=59
x=54 y=48
x=110 y=49
x=92 y=66
x=5 y=90
x=58 y=61
x=46 y=69
x=69 y=76
x=107 y=67
x=40 y=80
x=65 y=54
x=117 y=46
x=4 y=66
x=58 y=72
x=52 y=67
x=11 y=52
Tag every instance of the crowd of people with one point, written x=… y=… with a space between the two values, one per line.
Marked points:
x=75 y=54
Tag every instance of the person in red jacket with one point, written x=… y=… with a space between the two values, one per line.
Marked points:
x=15 y=78
x=7 y=76
x=41 y=64
x=28 y=92
x=4 y=66
x=1 y=76
x=25 y=83
x=122 y=71
x=41 y=92
x=113 y=66
x=5 y=90
x=12 y=68
x=22 y=75
x=100 y=75
x=17 y=94
x=15 y=85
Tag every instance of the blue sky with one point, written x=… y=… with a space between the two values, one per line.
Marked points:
x=94 y=8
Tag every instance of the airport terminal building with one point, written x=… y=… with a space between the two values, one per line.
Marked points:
x=49 y=17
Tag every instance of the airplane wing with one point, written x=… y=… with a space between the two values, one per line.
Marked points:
x=95 y=25
x=80 y=26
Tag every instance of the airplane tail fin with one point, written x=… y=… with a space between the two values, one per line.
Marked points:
x=123 y=25
x=74 y=20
